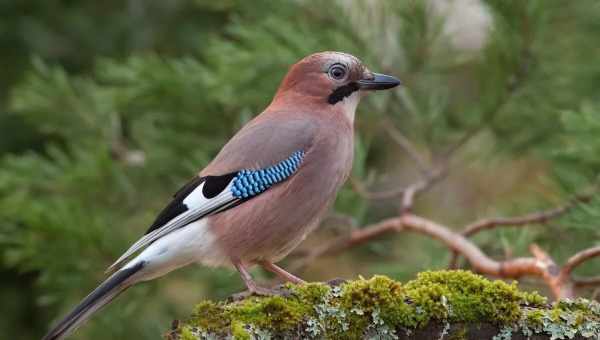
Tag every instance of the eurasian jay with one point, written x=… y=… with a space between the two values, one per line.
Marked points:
x=268 y=187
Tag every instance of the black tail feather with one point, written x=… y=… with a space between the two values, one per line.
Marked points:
x=102 y=295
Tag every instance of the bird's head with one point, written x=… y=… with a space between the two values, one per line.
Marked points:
x=333 y=78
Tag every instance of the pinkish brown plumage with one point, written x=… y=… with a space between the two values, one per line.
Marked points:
x=279 y=219
x=227 y=216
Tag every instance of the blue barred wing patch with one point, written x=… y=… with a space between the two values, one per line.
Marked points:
x=249 y=183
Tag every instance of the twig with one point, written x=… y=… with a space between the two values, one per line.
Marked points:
x=361 y=189
x=430 y=174
x=537 y=217
x=579 y=258
x=408 y=191
x=414 y=189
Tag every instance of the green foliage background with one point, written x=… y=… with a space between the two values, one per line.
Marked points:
x=106 y=108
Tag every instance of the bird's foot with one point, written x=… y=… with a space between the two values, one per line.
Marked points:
x=253 y=287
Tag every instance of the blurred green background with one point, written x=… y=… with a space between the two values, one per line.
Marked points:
x=108 y=107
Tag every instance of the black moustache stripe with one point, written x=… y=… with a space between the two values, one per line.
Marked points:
x=342 y=92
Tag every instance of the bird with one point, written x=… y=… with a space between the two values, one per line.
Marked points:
x=267 y=188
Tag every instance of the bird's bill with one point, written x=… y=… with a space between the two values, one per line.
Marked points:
x=378 y=81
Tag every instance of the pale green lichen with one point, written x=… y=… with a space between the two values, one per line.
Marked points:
x=565 y=320
x=505 y=334
x=384 y=308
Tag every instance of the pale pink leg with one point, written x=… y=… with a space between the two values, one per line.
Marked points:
x=250 y=283
x=281 y=272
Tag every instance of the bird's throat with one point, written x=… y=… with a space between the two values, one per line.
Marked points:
x=349 y=104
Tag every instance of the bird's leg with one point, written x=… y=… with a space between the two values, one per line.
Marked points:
x=285 y=276
x=250 y=283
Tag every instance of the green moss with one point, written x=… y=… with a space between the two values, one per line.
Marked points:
x=238 y=331
x=275 y=312
x=464 y=296
x=381 y=306
x=309 y=293
x=535 y=317
x=186 y=333
x=379 y=295
x=208 y=315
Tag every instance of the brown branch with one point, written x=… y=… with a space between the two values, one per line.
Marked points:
x=540 y=217
x=540 y=265
x=536 y=217
x=560 y=280
x=579 y=258
x=480 y=262
x=552 y=275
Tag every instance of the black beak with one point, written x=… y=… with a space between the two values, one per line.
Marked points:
x=378 y=82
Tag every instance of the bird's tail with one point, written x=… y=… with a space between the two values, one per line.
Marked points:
x=103 y=294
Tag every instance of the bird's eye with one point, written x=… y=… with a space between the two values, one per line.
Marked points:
x=337 y=72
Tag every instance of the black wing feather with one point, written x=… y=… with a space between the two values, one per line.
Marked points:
x=213 y=185
x=216 y=184
x=176 y=206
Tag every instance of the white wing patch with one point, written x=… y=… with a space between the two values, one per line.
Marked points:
x=196 y=198
x=198 y=207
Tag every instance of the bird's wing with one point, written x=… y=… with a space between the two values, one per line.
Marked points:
x=208 y=195
x=253 y=161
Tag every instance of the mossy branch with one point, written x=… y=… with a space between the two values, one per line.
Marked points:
x=436 y=305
